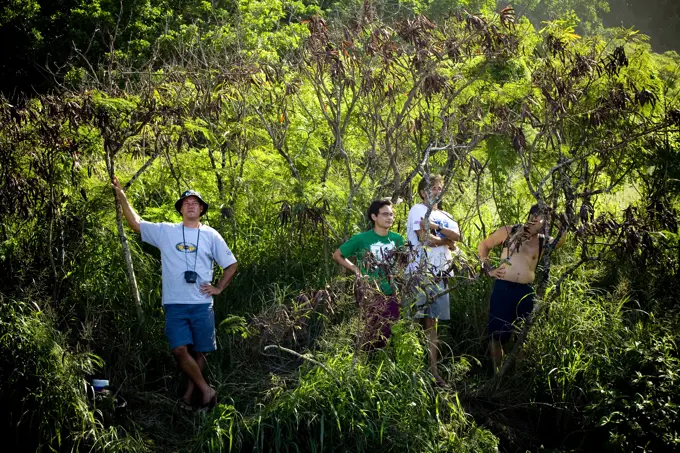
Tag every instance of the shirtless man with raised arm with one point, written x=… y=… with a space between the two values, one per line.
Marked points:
x=513 y=296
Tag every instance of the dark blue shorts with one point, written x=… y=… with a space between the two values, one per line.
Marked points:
x=509 y=302
x=190 y=324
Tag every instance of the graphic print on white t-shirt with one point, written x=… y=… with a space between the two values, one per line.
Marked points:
x=438 y=258
x=186 y=247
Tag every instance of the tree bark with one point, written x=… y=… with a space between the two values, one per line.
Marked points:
x=127 y=256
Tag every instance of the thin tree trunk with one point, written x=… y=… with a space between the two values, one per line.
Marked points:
x=127 y=256
x=50 y=247
x=141 y=170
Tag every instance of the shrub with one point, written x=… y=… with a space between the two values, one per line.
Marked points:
x=43 y=388
x=637 y=400
x=608 y=374
x=358 y=402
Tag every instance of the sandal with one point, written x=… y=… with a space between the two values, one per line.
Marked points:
x=182 y=403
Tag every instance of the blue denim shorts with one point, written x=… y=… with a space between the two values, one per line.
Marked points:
x=190 y=324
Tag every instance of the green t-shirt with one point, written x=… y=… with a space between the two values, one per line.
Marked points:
x=380 y=246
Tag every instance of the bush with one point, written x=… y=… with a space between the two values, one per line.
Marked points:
x=603 y=374
x=358 y=402
x=43 y=388
x=637 y=400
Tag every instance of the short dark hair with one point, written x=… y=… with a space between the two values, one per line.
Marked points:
x=535 y=210
x=375 y=207
x=434 y=179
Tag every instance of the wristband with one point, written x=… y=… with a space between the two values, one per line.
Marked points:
x=486 y=267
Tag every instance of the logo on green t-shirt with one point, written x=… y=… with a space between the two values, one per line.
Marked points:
x=380 y=247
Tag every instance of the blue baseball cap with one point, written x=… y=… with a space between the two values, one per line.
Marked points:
x=191 y=193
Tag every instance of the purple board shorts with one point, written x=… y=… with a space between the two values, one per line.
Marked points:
x=379 y=312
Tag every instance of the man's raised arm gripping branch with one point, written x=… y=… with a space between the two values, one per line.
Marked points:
x=188 y=250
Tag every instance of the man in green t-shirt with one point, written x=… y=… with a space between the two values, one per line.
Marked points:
x=375 y=253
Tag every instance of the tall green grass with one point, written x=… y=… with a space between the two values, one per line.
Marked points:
x=603 y=371
x=381 y=401
x=43 y=391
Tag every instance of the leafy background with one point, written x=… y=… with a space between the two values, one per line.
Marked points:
x=290 y=117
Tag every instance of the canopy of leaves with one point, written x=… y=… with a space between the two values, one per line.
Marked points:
x=290 y=117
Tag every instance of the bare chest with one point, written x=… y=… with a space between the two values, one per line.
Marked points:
x=529 y=252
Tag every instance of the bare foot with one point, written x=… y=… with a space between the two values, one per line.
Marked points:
x=209 y=397
x=438 y=381
x=182 y=404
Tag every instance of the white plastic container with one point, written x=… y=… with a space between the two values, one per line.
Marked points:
x=99 y=384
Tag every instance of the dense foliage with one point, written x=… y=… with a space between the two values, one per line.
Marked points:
x=47 y=41
x=290 y=117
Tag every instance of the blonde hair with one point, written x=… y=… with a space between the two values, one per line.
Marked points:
x=434 y=179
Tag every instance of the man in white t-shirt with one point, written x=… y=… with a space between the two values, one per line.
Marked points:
x=188 y=250
x=430 y=243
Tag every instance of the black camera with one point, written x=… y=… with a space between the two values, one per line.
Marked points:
x=190 y=276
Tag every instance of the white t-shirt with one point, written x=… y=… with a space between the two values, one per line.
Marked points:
x=196 y=254
x=438 y=258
